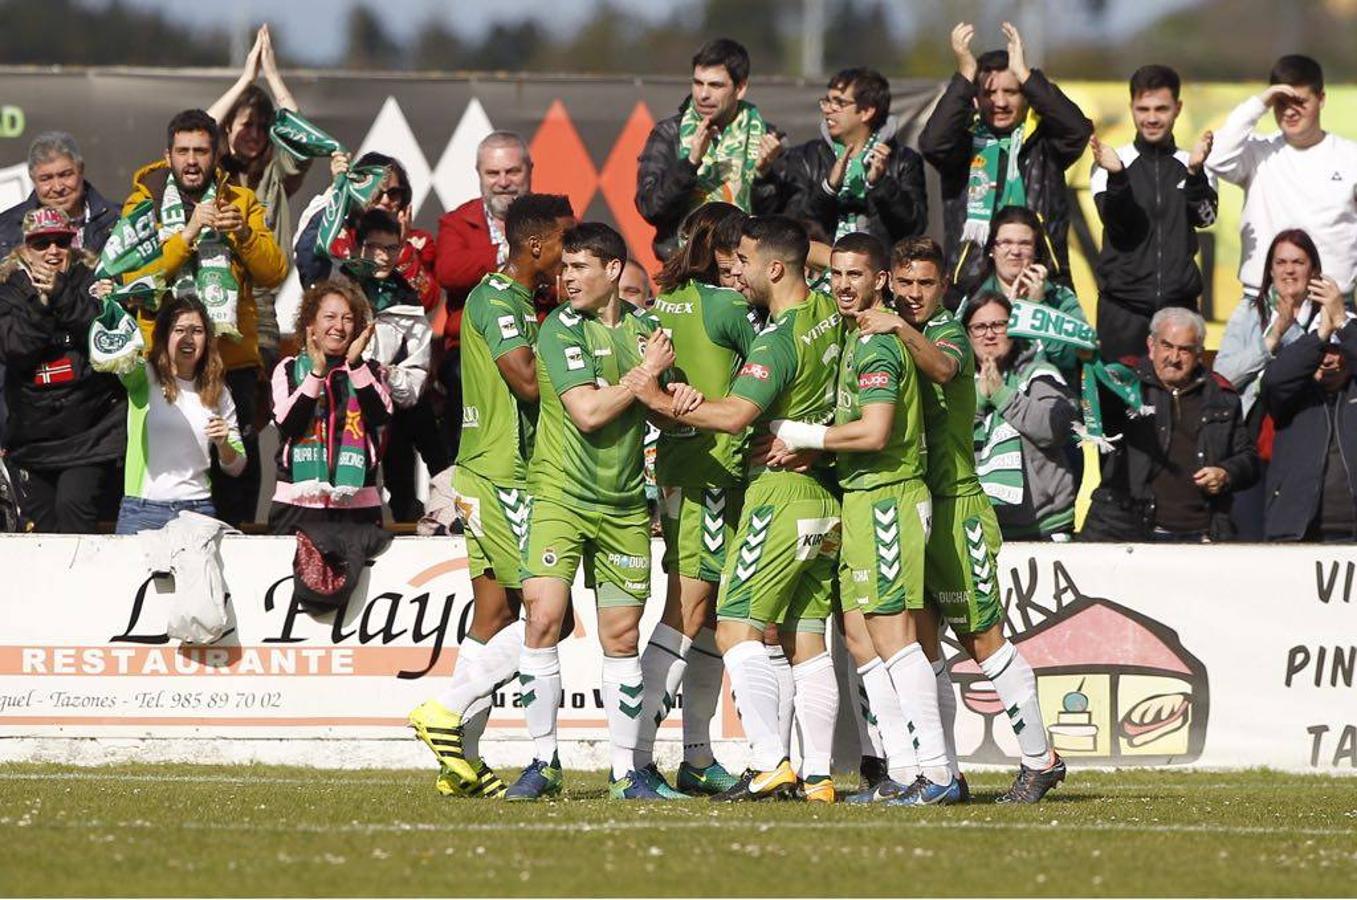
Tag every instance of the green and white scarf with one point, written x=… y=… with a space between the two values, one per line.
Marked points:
x=381 y=293
x=727 y=170
x=331 y=461
x=115 y=341
x=854 y=185
x=983 y=184
x=299 y=138
x=133 y=244
x=998 y=445
x=208 y=276
x=351 y=190
x=1038 y=322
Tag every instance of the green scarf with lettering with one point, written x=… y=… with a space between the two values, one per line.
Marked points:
x=332 y=460
x=208 y=275
x=854 y=185
x=998 y=445
x=727 y=170
x=300 y=138
x=115 y=341
x=132 y=244
x=982 y=187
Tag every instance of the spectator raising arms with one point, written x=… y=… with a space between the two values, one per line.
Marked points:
x=178 y=413
x=1309 y=391
x=329 y=405
x=716 y=147
x=858 y=175
x=245 y=113
x=1018 y=265
x=66 y=420
x=989 y=156
x=1024 y=417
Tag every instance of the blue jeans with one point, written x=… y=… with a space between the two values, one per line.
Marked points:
x=136 y=514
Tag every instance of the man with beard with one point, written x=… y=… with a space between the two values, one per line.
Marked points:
x=214 y=238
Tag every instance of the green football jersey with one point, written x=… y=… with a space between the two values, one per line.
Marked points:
x=497 y=427
x=877 y=369
x=949 y=413
x=712 y=329
x=792 y=367
x=604 y=468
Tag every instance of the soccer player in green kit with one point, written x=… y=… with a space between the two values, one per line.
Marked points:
x=878 y=441
x=781 y=564
x=701 y=476
x=960 y=571
x=589 y=504
x=500 y=394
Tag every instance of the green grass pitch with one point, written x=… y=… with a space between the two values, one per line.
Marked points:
x=268 y=831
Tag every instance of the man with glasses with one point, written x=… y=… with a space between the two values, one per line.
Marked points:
x=858 y=175
x=1002 y=156
x=1172 y=475
x=717 y=147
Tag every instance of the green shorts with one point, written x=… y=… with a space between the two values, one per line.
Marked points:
x=699 y=523
x=614 y=545
x=961 y=570
x=885 y=530
x=495 y=522
x=782 y=562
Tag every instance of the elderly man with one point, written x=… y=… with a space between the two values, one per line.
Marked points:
x=1308 y=389
x=58 y=173
x=472 y=244
x=1172 y=474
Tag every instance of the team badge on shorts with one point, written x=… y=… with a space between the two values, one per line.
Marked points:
x=549 y=557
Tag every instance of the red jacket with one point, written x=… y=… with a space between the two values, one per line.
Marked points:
x=465 y=256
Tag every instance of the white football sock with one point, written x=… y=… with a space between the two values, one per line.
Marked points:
x=786 y=686
x=817 y=708
x=757 y=696
x=701 y=693
x=917 y=689
x=662 y=665
x=539 y=675
x=1016 y=684
x=947 y=711
x=623 y=699
x=467 y=651
x=892 y=721
x=473 y=726
x=862 y=705
x=492 y=665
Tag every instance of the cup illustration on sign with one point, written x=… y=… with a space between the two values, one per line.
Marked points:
x=1114 y=685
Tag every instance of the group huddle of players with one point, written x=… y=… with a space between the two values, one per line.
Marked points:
x=815 y=463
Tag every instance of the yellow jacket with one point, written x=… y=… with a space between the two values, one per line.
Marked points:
x=256 y=261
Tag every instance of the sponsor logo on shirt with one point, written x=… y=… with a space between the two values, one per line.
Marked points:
x=678 y=309
x=574 y=358
x=870 y=380
x=471 y=417
x=508 y=327
x=754 y=370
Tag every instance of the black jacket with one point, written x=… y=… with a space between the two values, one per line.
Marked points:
x=101 y=220
x=1150 y=211
x=1301 y=441
x=1056 y=143
x=1222 y=440
x=61 y=412
x=895 y=207
x=665 y=184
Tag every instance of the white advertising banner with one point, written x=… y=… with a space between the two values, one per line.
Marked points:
x=1145 y=655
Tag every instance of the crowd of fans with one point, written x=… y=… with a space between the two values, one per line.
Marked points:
x=1251 y=445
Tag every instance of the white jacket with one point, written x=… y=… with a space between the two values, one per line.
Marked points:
x=189 y=548
x=401 y=345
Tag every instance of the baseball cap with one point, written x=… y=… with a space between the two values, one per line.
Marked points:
x=46 y=220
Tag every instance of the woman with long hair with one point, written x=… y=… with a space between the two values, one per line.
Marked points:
x=330 y=406
x=178 y=414
x=1019 y=265
x=1022 y=404
x=1287 y=304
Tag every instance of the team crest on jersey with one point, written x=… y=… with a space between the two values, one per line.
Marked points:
x=569 y=317
x=549 y=557
x=754 y=370
x=508 y=327
x=574 y=358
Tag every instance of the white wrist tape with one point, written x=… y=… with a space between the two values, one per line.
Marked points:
x=800 y=435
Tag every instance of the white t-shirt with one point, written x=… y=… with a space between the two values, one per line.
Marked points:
x=1314 y=189
x=174 y=437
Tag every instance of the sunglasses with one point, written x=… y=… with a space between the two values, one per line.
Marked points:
x=394 y=194
x=44 y=241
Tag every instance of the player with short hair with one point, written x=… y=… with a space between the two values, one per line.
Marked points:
x=589 y=503
x=499 y=414
x=878 y=439
x=781 y=567
x=701 y=476
x=961 y=574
